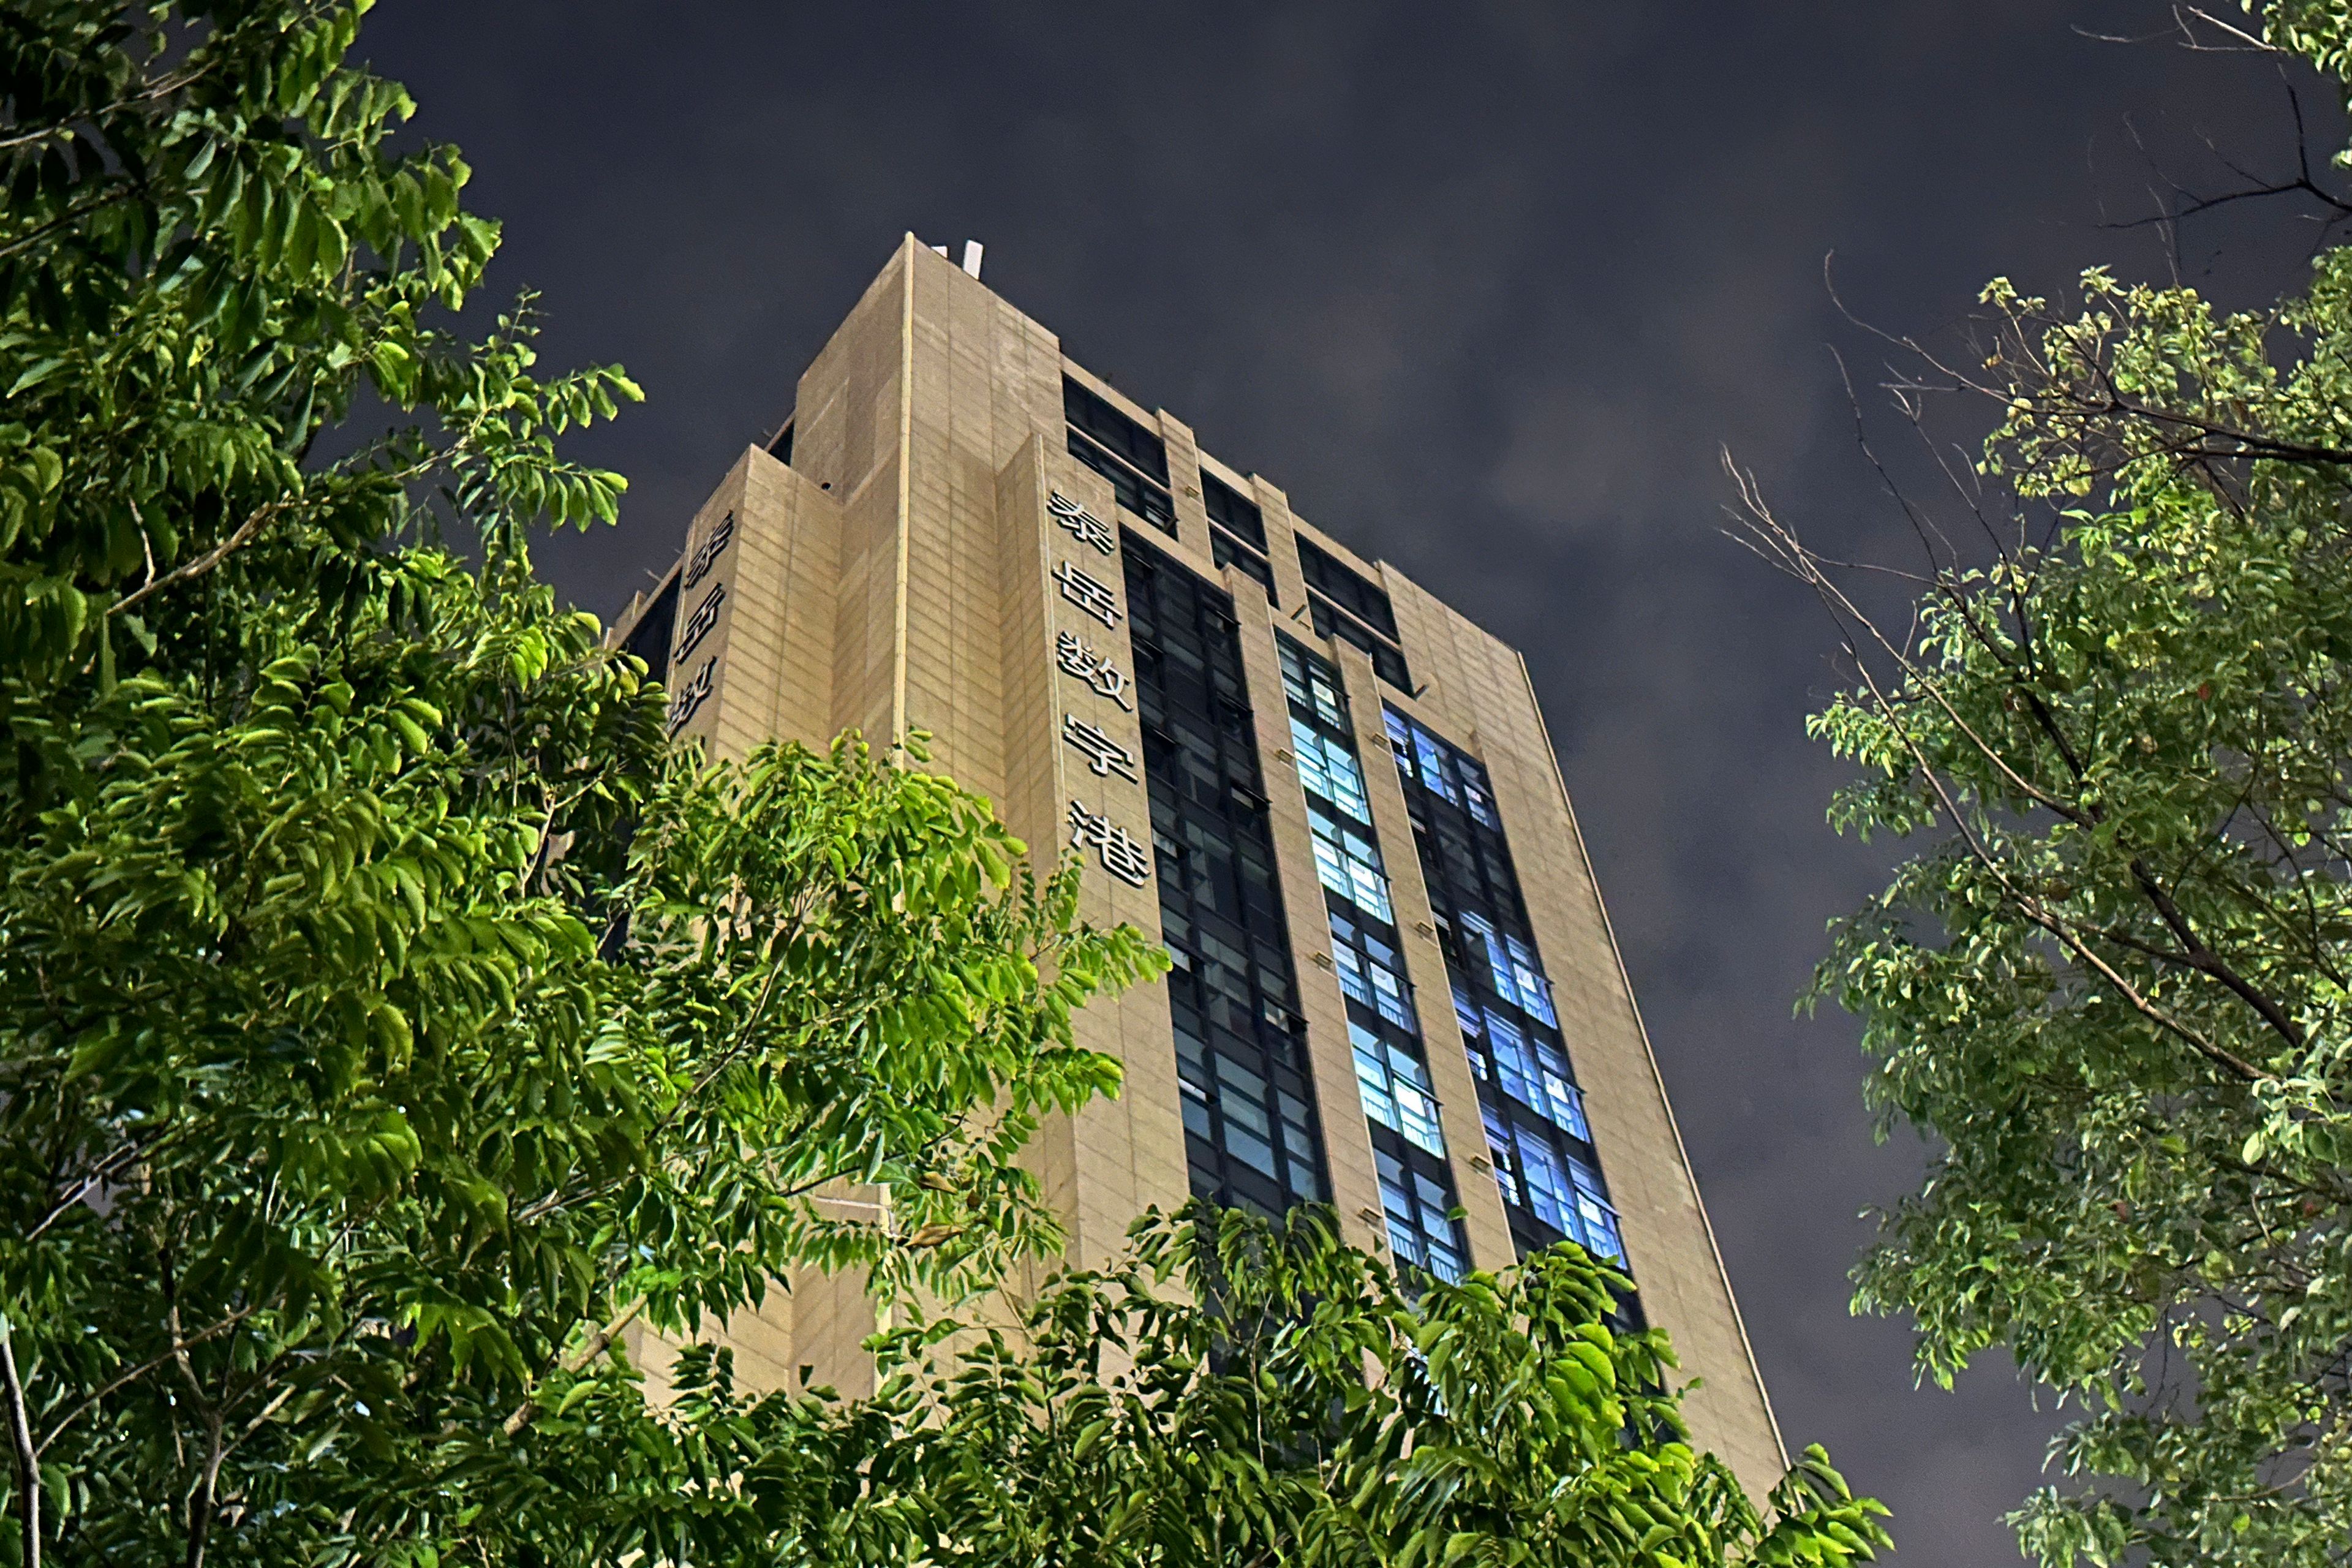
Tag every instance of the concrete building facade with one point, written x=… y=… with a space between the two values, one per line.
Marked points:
x=1396 y=989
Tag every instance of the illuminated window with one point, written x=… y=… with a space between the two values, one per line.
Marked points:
x=1328 y=768
x=1415 y=1203
x=1563 y=1192
x=1350 y=865
x=1396 y=1090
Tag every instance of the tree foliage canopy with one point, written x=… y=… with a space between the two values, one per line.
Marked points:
x=386 y=1016
x=1244 y=1394
x=2112 y=985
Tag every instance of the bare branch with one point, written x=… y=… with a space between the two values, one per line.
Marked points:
x=1780 y=543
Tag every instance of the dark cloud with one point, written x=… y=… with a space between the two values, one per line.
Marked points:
x=1484 y=286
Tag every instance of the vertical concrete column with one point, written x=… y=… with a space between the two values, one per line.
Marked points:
x=1489 y=1231
x=1346 y=1146
x=1127 y=1154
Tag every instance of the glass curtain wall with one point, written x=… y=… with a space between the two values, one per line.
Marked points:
x=1541 y=1141
x=1251 y=1134
x=1391 y=1064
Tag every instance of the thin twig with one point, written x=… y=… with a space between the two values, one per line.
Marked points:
x=176 y=1351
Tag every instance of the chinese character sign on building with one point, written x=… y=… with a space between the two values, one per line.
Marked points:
x=1083 y=663
x=1087 y=593
x=1121 y=855
x=691 y=695
x=705 y=617
x=1081 y=524
x=1119 y=851
x=1104 y=755
x=688 y=698
x=712 y=548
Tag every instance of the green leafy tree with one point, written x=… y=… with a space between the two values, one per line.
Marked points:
x=2112 y=983
x=387 y=1018
x=1235 y=1392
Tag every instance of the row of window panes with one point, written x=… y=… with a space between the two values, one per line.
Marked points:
x=1421 y=1229
x=1528 y=1066
x=1537 y=1171
x=1472 y=862
x=1237 y=532
x=1248 y=1106
x=1396 y=1090
x=1226 y=551
x=1373 y=985
x=1392 y=1078
x=1347 y=860
x=650 y=638
x=1349 y=864
x=1136 y=494
x=1250 y=1109
x=1555 y=1186
x=1347 y=588
x=1370 y=973
x=1233 y=511
x=1091 y=411
x=1517 y=975
x=1312 y=687
x=1111 y=444
x=1388 y=661
x=1220 y=983
x=1445 y=772
x=1327 y=767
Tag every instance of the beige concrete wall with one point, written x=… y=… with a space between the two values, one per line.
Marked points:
x=769 y=652
x=898 y=575
x=1127 y=1154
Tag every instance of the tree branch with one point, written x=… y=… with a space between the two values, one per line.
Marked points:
x=200 y=1504
x=1777 y=543
x=596 y=1344
x=260 y=518
x=176 y=1351
x=20 y=1442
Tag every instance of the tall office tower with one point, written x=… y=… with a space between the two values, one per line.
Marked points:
x=1395 y=990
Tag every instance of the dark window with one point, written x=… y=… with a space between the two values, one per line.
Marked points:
x=1229 y=552
x=1125 y=439
x=1252 y=1138
x=649 y=639
x=1348 y=589
x=1387 y=662
x=780 y=448
x=1146 y=499
x=1231 y=511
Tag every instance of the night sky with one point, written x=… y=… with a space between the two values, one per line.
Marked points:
x=1483 y=287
